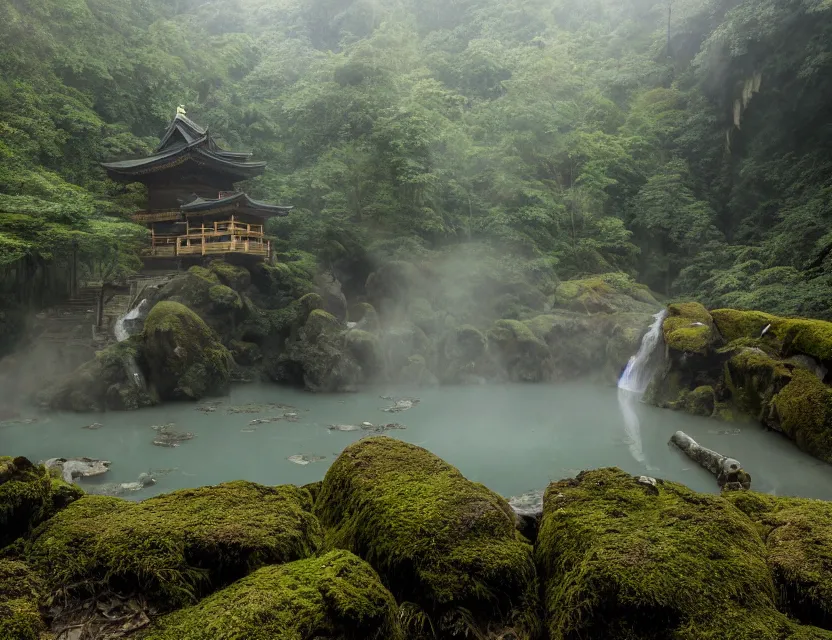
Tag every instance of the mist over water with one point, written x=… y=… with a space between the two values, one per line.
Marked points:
x=512 y=438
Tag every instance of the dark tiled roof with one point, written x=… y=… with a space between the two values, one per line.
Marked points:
x=241 y=201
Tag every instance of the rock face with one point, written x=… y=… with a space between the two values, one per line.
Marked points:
x=621 y=559
x=727 y=362
x=336 y=595
x=176 y=546
x=185 y=357
x=438 y=541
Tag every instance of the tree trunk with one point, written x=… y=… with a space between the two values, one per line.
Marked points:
x=728 y=471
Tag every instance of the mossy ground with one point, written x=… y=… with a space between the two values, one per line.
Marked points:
x=176 y=546
x=205 y=274
x=225 y=298
x=336 y=595
x=20 y=594
x=798 y=535
x=231 y=275
x=624 y=560
x=804 y=412
x=438 y=540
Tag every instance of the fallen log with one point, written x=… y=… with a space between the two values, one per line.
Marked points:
x=728 y=471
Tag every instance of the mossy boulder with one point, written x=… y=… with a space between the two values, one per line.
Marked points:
x=798 y=535
x=606 y=293
x=20 y=595
x=416 y=373
x=689 y=328
x=25 y=497
x=318 y=356
x=462 y=354
x=185 y=357
x=205 y=274
x=519 y=355
x=754 y=378
x=245 y=353
x=365 y=315
x=336 y=595
x=114 y=380
x=173 y=547
x=439 y=541
x=803 y=411
x=231 y=275
x=700 y=402
x=224 y=298
x=366 y=349
x=622 y=559
x=420 y=312
x=402 y=341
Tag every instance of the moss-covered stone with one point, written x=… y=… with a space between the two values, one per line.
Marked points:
x=366 y=316
x=439 y=541
x=734 y=324
x=234 y=276
x=334 y=596
x=462 y=354
x=754 y=378
x=25 y=497
x=366 y=349
x=63 y=493
x=185 y=356
x=607 y=293
x=804 y=412
x=700 y=401
x=224 y=298
x=176 y=546
x=624 y=560
x=689 y=328
x=798 y=535
x=417 y=373
x=520 y=355
x=113 y=380
x=245 y=353
x=205 y=274
x=20 y=594
x=311 y=302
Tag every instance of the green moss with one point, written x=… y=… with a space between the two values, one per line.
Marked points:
x=540 y=326
x=688 y=328
x=366 y=349
x=438 y=540
x=25 y=497
x=365 y=314
x=319 y=321
x=798 y=535
x=175 y=546
x=804 y=411
x=20 y=593
x=754 y=378
x=205 y=274
x=184 y=355
x=64 y=493
x=335 y=596
x=733 y=324
x=700 y=401
x=236 y=277
x=245 y=353
x=521 y=355
x=624 y=560
x=607 y=293
x=310 y=302
x=225 y=298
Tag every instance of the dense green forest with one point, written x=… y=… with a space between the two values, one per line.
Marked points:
x=687 y=143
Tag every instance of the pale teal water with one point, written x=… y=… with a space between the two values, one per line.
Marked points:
x=512 y=438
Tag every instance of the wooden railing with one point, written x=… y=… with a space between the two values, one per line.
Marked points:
x=172 y=246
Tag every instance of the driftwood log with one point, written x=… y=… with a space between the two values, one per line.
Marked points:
x=728 y=471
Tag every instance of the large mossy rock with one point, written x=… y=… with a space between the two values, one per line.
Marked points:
x=439 y=541
x=518 y=353
x=689 y=329
x=173 y=547
x=623 y=559
x=185 y=357
x=462 y=354
x=113 y=380
x=231 y=275
x=798 y=535
x=20 y=596
x=319 y=358
x=28 y=495
x=336 y=595
x=606 y=293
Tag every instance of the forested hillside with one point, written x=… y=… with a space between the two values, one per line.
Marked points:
x=687 y=143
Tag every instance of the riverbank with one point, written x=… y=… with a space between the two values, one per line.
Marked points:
x=616 y=555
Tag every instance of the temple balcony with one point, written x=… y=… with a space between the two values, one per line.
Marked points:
x=230 y=236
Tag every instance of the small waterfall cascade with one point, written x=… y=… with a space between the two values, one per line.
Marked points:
x=641 y=367
x=633 y=383
x=119 y=330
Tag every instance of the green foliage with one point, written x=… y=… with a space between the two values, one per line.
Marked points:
x=20 y=595
x=337 y=595
x=176 y=546
x=25 y=497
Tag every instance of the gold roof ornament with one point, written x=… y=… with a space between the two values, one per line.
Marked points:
x=180 y=110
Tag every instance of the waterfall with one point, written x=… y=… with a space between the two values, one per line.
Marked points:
x=633 y=382
x=640 y=369
x=119 y=330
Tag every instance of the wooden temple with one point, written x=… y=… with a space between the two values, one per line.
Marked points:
x=194 y=209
